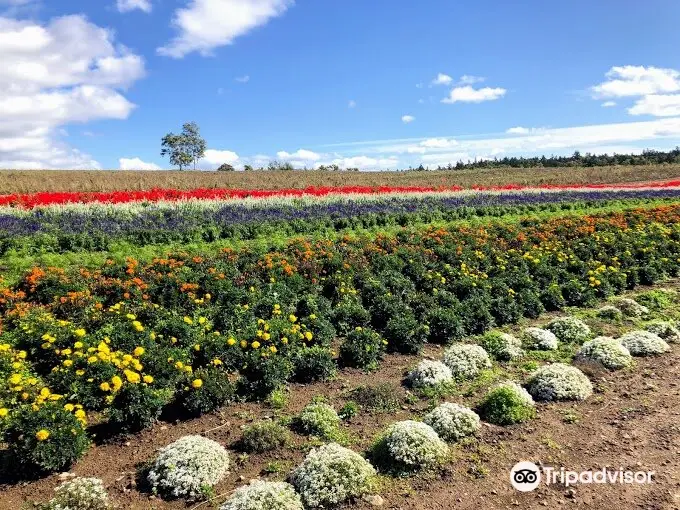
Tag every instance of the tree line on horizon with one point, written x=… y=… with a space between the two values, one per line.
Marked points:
x=188 y=147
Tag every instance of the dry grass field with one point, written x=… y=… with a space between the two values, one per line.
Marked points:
x=31 y=181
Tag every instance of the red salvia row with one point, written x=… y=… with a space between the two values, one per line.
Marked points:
x=32 y=200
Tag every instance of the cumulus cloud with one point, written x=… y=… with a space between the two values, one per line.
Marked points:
x=365 y=162
x=467 y=79
x=214 y=157
x=519 y=130
x=407 y=119
x=442 y=79
x=131 y=5
x=468 y=94
x=67 y=70
x=136 y=164
x=300 y=154
x=204 y=25
x=659 y=105
x=608 y=104
x=242 y=79
x=630 y=81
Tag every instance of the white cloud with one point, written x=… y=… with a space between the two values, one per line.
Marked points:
x=242 y=79
x=68 y=70
x=467 y=79
x=364 y=163
x=131 y=5
x=136 y=164
x=467 y=94
x=204 y=25
x=519 y=130
x=407 y=119
x=351 y=103
x=627 y=81
x=659 y=105
x=301 y=155
x=442 y=79
x=215 y=157
x=608 y=104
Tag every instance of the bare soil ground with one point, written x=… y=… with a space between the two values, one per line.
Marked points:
x=632 y=421
x=31 y=181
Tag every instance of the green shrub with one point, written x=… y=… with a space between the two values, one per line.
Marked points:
x=507 y=403
x=314 y=363
x=445 y=326
x=381 y=398
x=44 y=441
x=136 y=407
x=264 y=436
x=502 y=346
x=264 y=374
x=405 y=335
x=318 y=419
x=363 y=348
x=214 y=391
x=349 y=411
x=349 y=314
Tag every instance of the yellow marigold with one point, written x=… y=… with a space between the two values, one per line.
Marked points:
x=139 y=351
x=78 y=345
x=179 y=365
x=80 y=414
x=69 y=407
x=197 y=347
x=266 y=336
x=217 y=362
x=188 y=320
x=117 y=382
x=273 y=349
x=68 y=362
x=131 y=316
x=308 y=335
x=45 y=392
x=22 y=354
x=152 y=335
x=80 y=332
x=24 y=396
x=255 y=344
x=202 y=320
x=284 y=340
x=231 y=341
x=131 y=376
x=42 y=435
x=14 y=379
x=3 y=412
x=148 y=379
x=244 y=344
x=196 y=383
x=92 y=359
x=292 y=318
x=105 y=386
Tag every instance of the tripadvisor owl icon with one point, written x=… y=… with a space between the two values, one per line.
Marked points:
x=525 y=476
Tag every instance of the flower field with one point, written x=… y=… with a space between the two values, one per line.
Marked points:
x=103 y=336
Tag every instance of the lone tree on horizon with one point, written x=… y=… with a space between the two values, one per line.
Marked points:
x=185 y=148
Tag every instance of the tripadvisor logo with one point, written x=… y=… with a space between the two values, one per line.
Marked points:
x=526 y=476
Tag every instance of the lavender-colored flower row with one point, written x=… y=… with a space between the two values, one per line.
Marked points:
x=119 y=222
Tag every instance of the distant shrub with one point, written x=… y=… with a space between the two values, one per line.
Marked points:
x=608 y=352
x=187 y=467
x=502 y=346
x=331 y=475
x=631 y=308
x=453 y=422
x=569 y=329
x=405 y=334
x=264 y=495
x=136 y=407
x=665 y=330
x=363 y=348
x=429 y=373
x=559 y=382
x=215 y=391
x=610 y=312
x=540 y=339
x=319 y=419
x=262 y=375
x=348 y=315
x=507 y=403
x=264 y=436
x=644 y=343
x=466 y=361
x=445 y=325
x=381 y=398
x=314 y=363
x=80 y=494
x=408 y=446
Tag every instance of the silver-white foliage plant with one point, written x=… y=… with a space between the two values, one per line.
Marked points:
x=262 y=495
x=80 y=494
x=414 y=445
x=185 y=468
x=330 y=475
x=570 y=329
x=559 y=382
x=430 y=373
x=665 y=330
x=466 y=361
x=540 y=339
x=609 y=352
x=631 y=308
x=609 y=312
x=453 y=422
x=644 y=343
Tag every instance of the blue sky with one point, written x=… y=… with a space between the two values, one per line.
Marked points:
x=372 y=84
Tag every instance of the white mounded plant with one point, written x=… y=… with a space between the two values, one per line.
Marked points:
x=452 y=422
x=644 y=343
x=263 y=495
x=330 y=475
x=80 y=494
x=540 y=339
x=631 y=308
x=502 y=346
x=466 y=361
x=569 y=329
x=408 y=446
x=608 y=352
x=665 y=330
x=188 y=468
x=430 y=374
x=610 y=312
x=559 y=382
x=319 y=419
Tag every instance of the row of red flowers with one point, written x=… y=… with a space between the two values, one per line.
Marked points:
x=29 y=201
